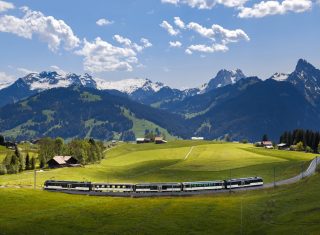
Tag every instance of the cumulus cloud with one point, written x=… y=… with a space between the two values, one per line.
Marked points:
x=102 y=56
x=217 y=37
x=50 y=30
x=103 y=22
x=206 y=4
x=4 y=6
x=178 y=22
x=266 y=8
x=175 y=44
x=169 y=28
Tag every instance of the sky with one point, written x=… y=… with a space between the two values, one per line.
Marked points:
x=182 y=43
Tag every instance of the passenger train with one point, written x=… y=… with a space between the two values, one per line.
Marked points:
x=54 y=185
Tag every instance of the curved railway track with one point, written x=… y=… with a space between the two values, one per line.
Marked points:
x=307 y=173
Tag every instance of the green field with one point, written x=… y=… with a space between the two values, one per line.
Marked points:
x=150 y=162
x=292 y=209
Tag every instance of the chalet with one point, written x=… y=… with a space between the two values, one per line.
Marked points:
x=159 y=140
x=267 y=144
x=62 y=161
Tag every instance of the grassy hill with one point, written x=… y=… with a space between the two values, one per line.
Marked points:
x=167 y=163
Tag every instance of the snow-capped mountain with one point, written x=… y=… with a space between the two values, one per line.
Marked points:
x=129 y=86
x=306 y=78
x=48 y=80
x=280 y=77
x=223 y=78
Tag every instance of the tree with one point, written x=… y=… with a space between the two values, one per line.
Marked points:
x=309 y=149
x=58 y=146
x=2 y=141
x=265 y=137
x=28 y=163
x=3 y=169
x=33 y=163
x=300 y=146
x=227 y=138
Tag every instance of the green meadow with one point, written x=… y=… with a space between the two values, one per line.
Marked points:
x=134 y=163
x=292 y=209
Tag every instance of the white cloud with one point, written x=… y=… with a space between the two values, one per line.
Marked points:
x=178 y=22
x=25 y=71
x=206 y=49
x=206 y=4
x=4 y=6
x=169 y=28
x=102 y=56
x=103 y=22
x=5 y=80
x=266 y=8
x=58 y=70
x=128 y=43
x=175 y=44
x=50 y=30
x=218 y=37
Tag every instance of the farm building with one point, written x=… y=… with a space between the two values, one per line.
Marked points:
x=142 y=140
x=159 y=140
x=62 y=161
x=282 y=146
x=197 y=138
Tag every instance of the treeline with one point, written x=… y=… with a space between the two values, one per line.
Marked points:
x=85 y=151
x=304 y=139
x=15 y=162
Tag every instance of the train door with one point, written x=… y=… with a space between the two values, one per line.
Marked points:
x=69 y=186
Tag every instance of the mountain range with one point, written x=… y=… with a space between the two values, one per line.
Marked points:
x=230 y=103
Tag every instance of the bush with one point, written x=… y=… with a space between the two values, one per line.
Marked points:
x=309 y=149
x=244 y=141
x=3 y=170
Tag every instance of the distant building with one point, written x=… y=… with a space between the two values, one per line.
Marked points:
x=140 y=140
x=282 y=146
x=159 y=140
x=197 y=138
x=267 y=144
x=62 y=161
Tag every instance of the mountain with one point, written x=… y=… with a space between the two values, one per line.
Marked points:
x=34 y=83
x=223 y=78
x=306 y=78
x=280 y=77
x=79 y=111
x=262 y=107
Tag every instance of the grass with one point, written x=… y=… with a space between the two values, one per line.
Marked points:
x=291 y=209
x=166 y=163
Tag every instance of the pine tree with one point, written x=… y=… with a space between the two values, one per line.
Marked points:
x=265 y=137
x=33 y=163
x=28 y=163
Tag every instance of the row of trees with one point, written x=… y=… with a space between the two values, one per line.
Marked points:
x=85 y=151
x=17 y=162
x=304 y=139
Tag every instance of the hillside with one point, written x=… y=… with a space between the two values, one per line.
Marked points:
x=84 y=112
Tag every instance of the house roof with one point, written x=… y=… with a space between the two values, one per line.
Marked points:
x=158 y=138
x=266 y=142
x=282 y=145
x=61 y=159
x=140 y=139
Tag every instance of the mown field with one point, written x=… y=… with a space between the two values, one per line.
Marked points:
x=168 y=162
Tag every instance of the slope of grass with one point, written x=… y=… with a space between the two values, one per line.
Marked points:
x=291 y=209
x=167 y=163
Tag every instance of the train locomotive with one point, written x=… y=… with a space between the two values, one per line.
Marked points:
x=54 y=185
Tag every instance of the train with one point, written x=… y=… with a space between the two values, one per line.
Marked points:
x=56 y=185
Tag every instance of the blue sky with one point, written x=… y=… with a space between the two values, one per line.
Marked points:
x=133 y=38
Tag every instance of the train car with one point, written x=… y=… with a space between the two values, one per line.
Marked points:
x=112 y=187
x=203 y=185
x=243 y=182
x=67 y=185
x=158 y=187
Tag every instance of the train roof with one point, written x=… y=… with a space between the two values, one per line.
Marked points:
x=247 y=178
x=203 y=182
x=113 y=183
x=159 y=183
x=67 y=181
